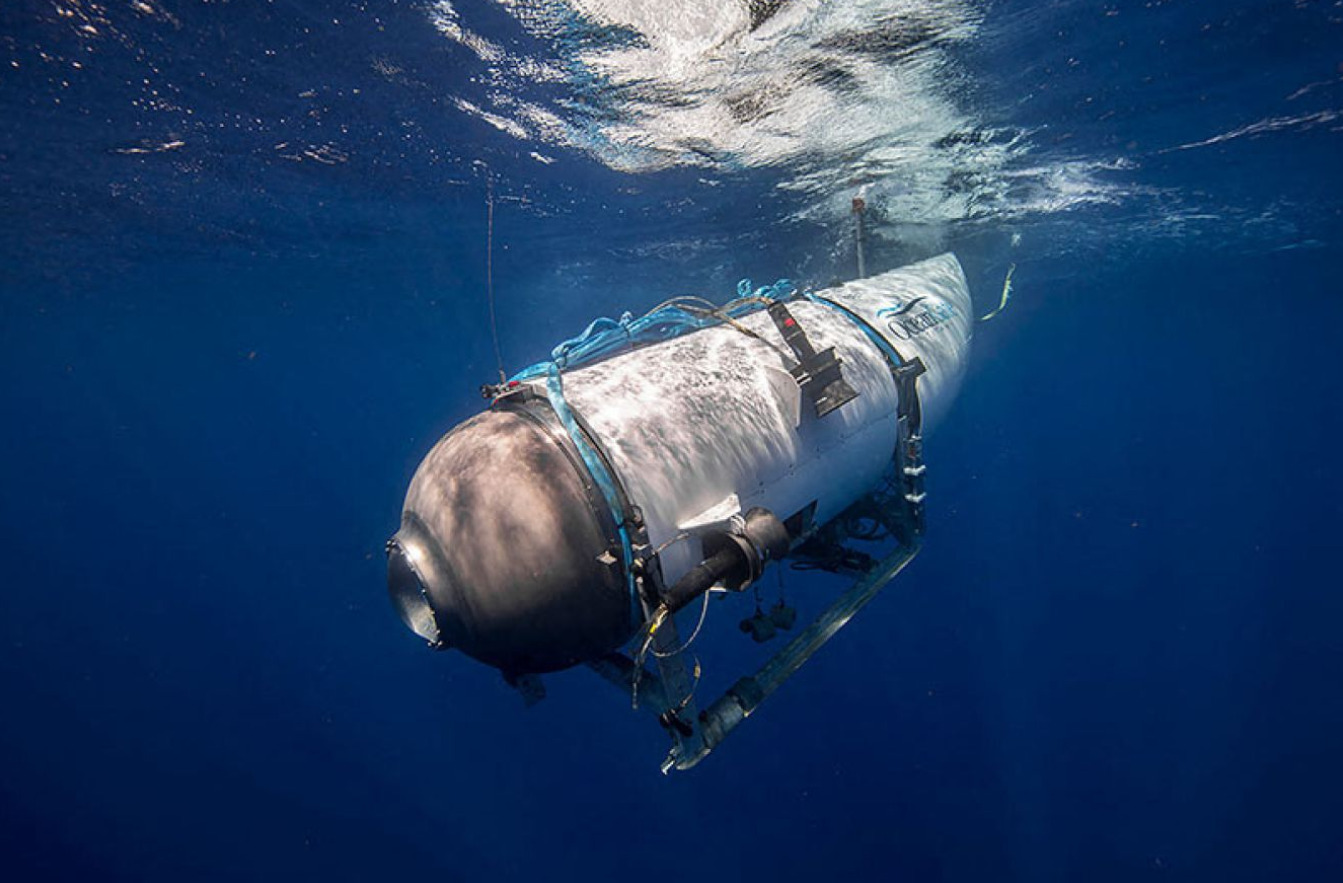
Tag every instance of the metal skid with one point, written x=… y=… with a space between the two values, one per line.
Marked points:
x=669 y=691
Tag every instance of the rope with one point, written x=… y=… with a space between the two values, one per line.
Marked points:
x=604 y=337
x=489 y=270
x=703 y=611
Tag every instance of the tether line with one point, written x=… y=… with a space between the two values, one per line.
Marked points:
x=489 y=271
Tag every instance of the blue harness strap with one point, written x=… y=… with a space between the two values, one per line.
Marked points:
x=601 y=476
x=873 y=335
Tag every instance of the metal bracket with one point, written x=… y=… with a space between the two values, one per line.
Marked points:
x=818 y=375
x=678 y=697
x=668 y=693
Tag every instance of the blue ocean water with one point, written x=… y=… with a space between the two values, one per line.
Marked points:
x=242 y=291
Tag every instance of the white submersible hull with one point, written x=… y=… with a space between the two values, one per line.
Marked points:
x=586 y=505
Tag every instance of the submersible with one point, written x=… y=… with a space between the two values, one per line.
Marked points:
x=652 y=460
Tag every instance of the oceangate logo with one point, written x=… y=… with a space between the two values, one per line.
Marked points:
x=916 y=315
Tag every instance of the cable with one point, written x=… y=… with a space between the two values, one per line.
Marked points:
x=683 y=535
x=694 y=685
x=859 y=206
x=703 y=611
x=489 y=270
x=661 y=615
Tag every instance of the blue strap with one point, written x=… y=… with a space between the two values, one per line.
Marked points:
x=872 y=334
x=597 y=469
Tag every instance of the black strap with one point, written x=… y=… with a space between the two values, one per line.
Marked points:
x=906 y=373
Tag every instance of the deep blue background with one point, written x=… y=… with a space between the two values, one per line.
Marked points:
x=1118 y=657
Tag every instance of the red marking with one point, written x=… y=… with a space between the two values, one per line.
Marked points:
x=514 y=383
x=789 y=322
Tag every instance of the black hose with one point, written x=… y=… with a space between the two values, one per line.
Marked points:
x=703 y=575
x=736 y=560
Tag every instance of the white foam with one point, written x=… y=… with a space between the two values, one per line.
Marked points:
x=830 y=96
